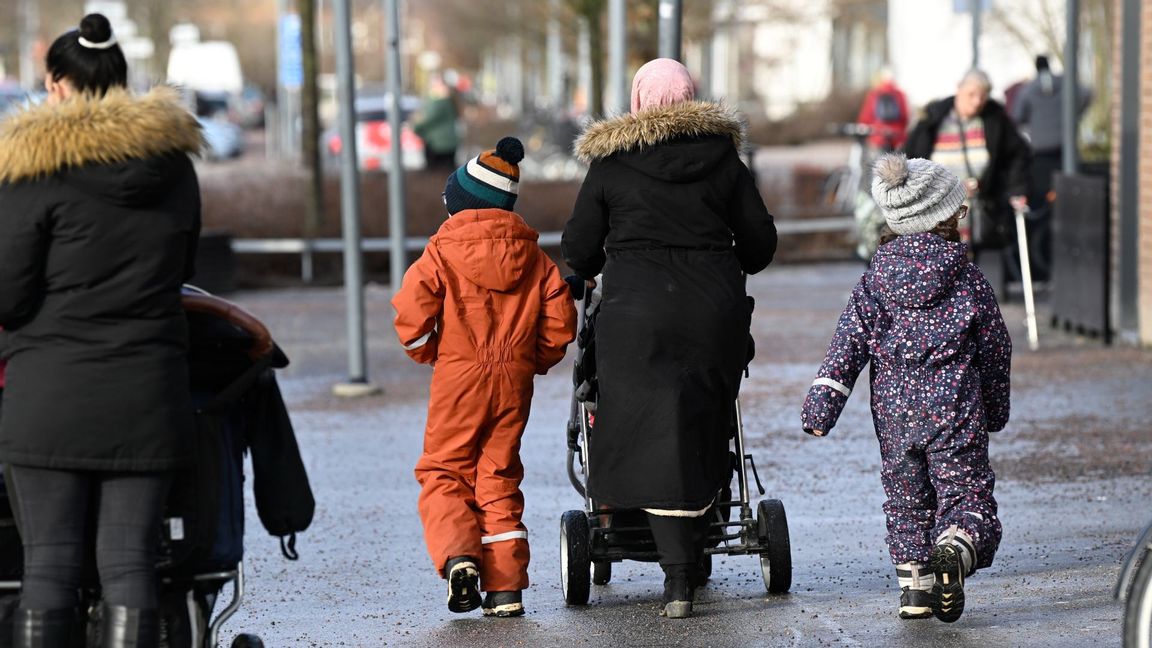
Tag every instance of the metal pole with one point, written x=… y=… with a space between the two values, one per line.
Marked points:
x=555 y=57
x=397 y=227
x=350 y=202
x=618 y=99
x=1071 y=91
x=671 y=12
x=974 y=7
x=29 y=33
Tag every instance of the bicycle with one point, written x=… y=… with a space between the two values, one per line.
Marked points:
x=848 y=190
x=1135 y=587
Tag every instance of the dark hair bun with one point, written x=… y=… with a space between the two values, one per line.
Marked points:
x=96 y=28
x=510 y=150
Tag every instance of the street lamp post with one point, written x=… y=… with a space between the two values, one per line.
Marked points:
x=397 y=226
x=671 y=14
x=357 y=384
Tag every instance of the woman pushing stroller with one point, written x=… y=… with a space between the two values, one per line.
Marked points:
x=671 y=217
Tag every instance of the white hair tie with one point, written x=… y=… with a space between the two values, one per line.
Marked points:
x=100 y=46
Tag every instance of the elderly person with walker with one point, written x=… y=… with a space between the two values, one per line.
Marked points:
x=671 y=217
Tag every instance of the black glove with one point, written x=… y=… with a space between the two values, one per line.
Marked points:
x=576 y=286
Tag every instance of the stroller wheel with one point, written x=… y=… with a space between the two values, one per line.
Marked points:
x=601 y=572
x=776 y=550
x=247 y=641
x=575 y=557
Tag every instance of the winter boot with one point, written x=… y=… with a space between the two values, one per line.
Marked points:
x=125 y=627
x=503 y=604
x=678 y=591
x=463 y=584
x=952 y=560
x=916 y=582
x=47 y=628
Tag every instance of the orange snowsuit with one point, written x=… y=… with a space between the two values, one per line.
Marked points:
x=489 y=310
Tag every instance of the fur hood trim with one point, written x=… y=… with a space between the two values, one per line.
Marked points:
x=42 y=140
x=632 y=131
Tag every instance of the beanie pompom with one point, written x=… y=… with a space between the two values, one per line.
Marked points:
x=510 y=150
x=891 y=170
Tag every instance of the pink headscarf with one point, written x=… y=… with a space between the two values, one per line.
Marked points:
x=661 y=82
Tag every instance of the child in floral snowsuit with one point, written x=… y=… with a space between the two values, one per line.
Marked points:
x=928 y=321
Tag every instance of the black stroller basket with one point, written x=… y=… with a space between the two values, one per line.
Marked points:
x=592 y=539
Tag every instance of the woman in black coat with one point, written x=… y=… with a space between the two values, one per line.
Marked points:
x=672 y=218
x=99 y=218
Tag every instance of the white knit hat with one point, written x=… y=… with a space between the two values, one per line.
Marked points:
x=915 y=195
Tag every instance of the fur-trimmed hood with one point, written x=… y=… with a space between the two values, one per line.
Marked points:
x=88 y=130
x=635 y=131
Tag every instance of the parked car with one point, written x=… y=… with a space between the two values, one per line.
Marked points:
x=225 y=139
x=250 y=106
x=374 y=135
x=12 y=96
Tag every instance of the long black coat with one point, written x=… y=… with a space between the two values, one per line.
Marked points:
x=671 y=216
x=99 y=218
x=1010 y=157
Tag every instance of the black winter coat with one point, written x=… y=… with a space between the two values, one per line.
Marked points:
x=99 y=218
x=672 y=217
x=1010 y=157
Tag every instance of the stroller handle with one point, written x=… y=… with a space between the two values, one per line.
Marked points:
x=262 y=343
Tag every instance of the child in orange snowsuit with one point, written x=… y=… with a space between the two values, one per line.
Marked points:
x=488 y=310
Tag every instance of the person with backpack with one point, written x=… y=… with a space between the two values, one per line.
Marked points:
x=100 y=221
x=487 y=308
x=927 y=321
x=885 y=111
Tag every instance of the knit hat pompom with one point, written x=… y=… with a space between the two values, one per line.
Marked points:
x=915 y=195
x=892 y=170
x=488 y=181
x=510 y=150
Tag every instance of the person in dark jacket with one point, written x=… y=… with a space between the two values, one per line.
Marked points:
x=671 y=216
x=99 y=219
x=928 y=321
x=974 y=138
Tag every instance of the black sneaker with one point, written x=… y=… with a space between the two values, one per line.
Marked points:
x=463 y=584
x=503 y=604
x=915 y=603
x=948 y=592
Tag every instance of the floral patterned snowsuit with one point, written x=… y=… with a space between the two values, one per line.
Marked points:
x=928 y=320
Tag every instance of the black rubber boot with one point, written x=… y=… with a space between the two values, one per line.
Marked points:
x=125 y=627
x=463 y=584
x=47 y=629
x=678 y=590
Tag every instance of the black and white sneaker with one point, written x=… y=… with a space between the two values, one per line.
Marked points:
x=915 y=603
x=463 y=584
x=916 y=581
x=503 y=604
x=948 y=592
x=953 y=558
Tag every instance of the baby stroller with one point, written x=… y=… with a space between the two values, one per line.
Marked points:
x=239 y=409
x=594 y=538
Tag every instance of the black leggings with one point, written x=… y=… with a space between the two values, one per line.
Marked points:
x=54 y=510
x=679 y=540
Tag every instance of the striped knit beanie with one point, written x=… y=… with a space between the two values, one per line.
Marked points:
x=488 y=180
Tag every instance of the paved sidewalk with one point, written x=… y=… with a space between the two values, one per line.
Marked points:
x=1074 y=486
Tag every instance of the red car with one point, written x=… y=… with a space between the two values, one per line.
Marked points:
x=374 y=135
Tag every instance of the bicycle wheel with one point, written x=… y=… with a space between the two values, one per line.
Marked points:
x=1138 y=609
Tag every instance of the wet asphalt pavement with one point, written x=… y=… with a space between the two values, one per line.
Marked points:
x=1074 y=468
